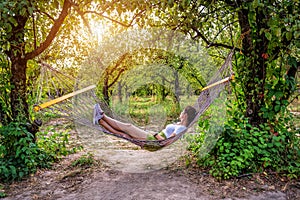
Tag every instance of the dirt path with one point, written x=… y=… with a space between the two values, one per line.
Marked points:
x=123 y=156
x=174 y=183
x=122 y=171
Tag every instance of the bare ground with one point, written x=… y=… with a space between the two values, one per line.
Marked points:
x=122 y=171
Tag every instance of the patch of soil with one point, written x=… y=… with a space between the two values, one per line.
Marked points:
x=123 y=171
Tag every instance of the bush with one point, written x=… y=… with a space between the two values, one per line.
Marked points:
x=243 y=149
x=20 y=155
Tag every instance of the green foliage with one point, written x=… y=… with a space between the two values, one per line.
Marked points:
x=5 y=88
x=21 y=155
x=141 y=109
x=243 y=148
x=2 y=194
x=55 y=144
x=84 y=161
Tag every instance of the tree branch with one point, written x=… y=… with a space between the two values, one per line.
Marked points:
x=116 y=78
x=220 y=31
x=55 y=28
x=115 y=68
x=85 y=21
x=111 y=19
x=49 y=16
x=210 y=44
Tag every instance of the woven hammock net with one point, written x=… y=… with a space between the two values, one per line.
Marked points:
x=80 y=106
x=84 y=90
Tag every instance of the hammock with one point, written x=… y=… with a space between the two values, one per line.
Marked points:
x=86 y=98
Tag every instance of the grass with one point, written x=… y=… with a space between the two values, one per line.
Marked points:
x=84 y=160
x=141 y=109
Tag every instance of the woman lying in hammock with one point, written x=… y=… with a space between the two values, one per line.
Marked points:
x=129 y=130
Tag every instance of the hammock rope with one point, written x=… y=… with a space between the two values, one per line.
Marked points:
x=68 y=106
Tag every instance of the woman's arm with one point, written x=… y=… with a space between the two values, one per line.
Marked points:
x=158 y=137
x=172 y=135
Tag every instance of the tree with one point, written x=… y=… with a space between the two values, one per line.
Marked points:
x=262 y=40
x=16 y=16
x=32 y=32
x=265 y=37
x=29 y=28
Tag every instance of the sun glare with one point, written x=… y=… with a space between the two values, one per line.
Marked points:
x=99 y=30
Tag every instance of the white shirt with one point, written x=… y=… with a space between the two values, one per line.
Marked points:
x=173 y=128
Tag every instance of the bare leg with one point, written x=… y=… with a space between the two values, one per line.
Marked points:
x=127 y=128
x=111 y=129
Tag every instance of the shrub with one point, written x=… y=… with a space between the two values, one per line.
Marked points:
x=242 y=148
x=21 y=155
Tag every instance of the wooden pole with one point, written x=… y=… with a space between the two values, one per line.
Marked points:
x=218 y=83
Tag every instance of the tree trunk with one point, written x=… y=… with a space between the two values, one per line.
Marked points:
x=253 y=69
x=176 y=86
x=18 y=58
x=18 y=93
x=120 y=91
x=105 y=91
x=163 y=89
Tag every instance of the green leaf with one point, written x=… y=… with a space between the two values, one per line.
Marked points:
x=23 y=11
x=278 y=144
x=13 y=21
x=30 y=10
x=56 y=4
x=297 y=34
x=278 y=32
x=268 y=36
x=278 y=94
x=255 y=4
x=270 y=145
x=21 y=174
x=289 y=35
x=13 y=170
x=8 y=27
x=171 y=3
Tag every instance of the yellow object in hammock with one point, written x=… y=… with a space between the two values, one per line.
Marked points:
x=59 y=99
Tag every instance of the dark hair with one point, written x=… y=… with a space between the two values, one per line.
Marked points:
x=191 y=113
